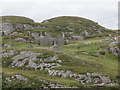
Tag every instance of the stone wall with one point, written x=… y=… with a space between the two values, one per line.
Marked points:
x=47 y=39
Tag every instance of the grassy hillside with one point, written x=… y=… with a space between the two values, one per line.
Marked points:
x=70 y=25
x=80 y=57
x=77 y=25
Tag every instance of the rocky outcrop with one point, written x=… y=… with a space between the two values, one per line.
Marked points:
x=28 y=59
x=16 y=77
x=80 y=38
x=113 y=43
x=85 y=33
x=88 y=79
x=28 y=82
x=20 y=39
x=61 y=73
x=8 y=28
x=114 y=46
x=115 y=51
x=6 y=53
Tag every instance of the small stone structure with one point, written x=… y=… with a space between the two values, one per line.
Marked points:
x=44 y=38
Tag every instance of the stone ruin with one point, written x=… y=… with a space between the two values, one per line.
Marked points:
x=44 y=38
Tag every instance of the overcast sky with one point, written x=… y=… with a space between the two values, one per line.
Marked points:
x=105 y=12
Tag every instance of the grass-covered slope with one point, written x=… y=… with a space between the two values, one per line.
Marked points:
x=77 y=25
x=77 y=56
x=16 y=19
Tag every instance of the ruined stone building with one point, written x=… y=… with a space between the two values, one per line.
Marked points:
x=47 y=39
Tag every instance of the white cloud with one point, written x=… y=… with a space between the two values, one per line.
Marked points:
x=102 y=11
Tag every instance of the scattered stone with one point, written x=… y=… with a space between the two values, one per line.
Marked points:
x=114 y=46
x=113 y=43
x=77 y=38
x=87 y=42
x=16 y=77
x=30 y=59
x=7 y=54
x=55 y=48
x=6 y=45
x=85 y=33
x=115 y=51
x=20 y=39
x=93 y=74
x=61 y=73
x=84 y=52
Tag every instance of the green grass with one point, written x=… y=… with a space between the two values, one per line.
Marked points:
x=106 y=64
